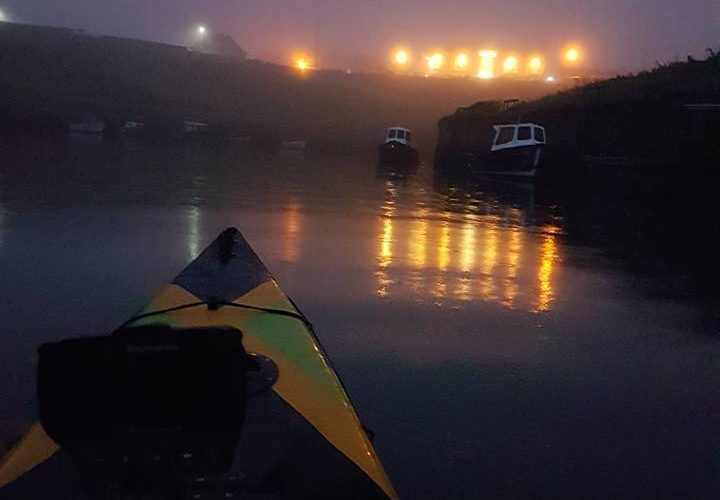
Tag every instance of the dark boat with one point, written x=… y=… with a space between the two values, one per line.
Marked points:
x=396 y=149
x=517 y=151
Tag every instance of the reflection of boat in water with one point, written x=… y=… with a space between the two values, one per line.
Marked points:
x=497 y=194
x=396 y=149
x=517 y=151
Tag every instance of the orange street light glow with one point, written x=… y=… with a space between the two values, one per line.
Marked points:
x=487 y=64
x=435 y=61
x=510 y=65
x=462 y=61
x=535 y=65
x=402 y=57
x=302 y=63
x=572 y=55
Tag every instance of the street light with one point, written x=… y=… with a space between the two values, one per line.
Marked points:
x=535 y=66
x=487 y=64
x=402 y=57
x=572 y=55
x=435 y=61
x=201 y=30
x=462 y=61
x=302 y=63
x=510 y=65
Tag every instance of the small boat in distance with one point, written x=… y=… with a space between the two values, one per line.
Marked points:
x=396 y=149
x=195 y=130
x=294 y=145
x=517 y=150
x=86 y=124
x=133 y=129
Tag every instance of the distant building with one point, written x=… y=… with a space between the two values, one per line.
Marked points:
x=220 y=44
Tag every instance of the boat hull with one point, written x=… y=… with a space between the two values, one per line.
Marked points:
x=515 y=162
x=395 y=153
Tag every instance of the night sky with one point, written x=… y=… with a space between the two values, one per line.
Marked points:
x=618 y=35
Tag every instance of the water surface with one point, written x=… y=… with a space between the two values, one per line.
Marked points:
x=502 y=340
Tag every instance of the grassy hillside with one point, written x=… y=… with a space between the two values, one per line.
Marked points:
x=49 y=74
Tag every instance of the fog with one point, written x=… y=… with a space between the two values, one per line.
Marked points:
x=618 y=35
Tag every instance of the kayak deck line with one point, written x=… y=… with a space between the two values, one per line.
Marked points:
x=214 y=306
x=228 y=285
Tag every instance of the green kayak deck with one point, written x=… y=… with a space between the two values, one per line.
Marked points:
x=302 y=439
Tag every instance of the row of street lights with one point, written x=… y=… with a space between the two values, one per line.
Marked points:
x=440 y=62
x=436 y=62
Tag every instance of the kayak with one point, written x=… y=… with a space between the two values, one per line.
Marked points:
x=300 y=438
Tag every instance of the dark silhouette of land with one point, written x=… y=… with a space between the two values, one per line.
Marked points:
x=51 y=74
x=668 y=115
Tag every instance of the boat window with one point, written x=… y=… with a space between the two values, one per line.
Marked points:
x=524 y=134
x=392 y=134
x=400 y=135
x=539 y=134
x=506 y=135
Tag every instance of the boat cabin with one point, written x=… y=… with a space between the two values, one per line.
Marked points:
x=517 y=135
x=397 y=134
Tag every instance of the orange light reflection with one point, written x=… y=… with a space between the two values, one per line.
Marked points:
x=482 y=258
x=292 y=225
x=385 y=254
x=514 y=248
x=548 y=254
x=489 y=261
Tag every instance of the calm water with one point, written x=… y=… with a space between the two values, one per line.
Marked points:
x=502 y=341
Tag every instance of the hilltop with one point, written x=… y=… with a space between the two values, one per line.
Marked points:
x=50 y=74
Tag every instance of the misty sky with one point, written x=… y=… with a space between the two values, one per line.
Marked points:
x=617 y=34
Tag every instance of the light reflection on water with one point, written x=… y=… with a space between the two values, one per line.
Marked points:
x=193 y=232
x=463 y=256
x=426 y=252
x=292 y=230
x=386 y=239
x=467 y=322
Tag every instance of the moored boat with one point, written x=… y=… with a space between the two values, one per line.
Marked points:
x=86 y=124
x=286 y=430
x=396 y=148
x=517 y=151
x=133 y=128
x=195 y=130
